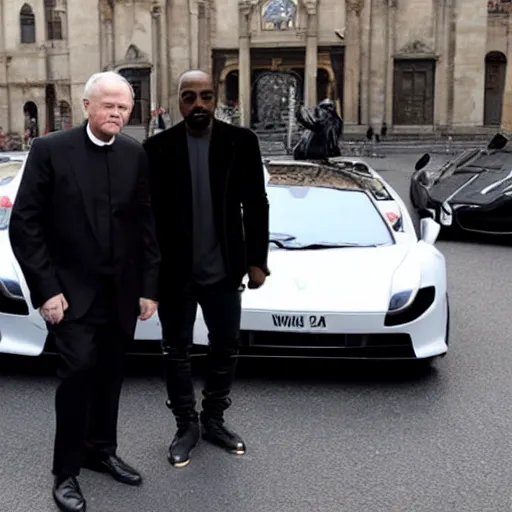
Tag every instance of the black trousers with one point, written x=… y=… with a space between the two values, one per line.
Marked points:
x=91 y=352
x=221 y=306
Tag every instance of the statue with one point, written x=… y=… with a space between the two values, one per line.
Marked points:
x=324 y=127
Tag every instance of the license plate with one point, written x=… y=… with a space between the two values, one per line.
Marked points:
x=299 y=321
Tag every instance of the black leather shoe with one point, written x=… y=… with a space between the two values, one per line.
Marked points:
x=117 y=468
x=217 y=433
x=68 y=495
x=184 y=442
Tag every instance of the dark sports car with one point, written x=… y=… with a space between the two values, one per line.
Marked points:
x=472 y=192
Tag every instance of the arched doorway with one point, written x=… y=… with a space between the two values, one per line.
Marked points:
x=495 y=70
x=139 y=79
x=231 y=87
x=31 y=118
x=323 y=86
x=64 y=120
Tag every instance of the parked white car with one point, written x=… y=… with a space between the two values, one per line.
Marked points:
x=349 y=276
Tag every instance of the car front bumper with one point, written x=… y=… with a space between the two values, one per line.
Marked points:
x=346 y=336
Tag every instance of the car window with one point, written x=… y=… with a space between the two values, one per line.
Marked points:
x=320 y=215
x=8 y=170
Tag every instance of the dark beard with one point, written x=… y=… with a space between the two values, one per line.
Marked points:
x=198 y=124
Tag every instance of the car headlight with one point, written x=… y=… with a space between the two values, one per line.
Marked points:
x=405 y=284
x=10 y=288
x=401 y=300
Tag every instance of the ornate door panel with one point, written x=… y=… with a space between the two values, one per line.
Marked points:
x=413 y=92
x=272 y=91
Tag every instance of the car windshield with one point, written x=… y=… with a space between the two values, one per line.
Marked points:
x=318 y=217
x=8 y=170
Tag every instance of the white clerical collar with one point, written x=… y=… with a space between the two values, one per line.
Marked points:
x=97 y=141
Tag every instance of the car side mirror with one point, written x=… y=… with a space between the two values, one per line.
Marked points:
x=429 y=230
x=497 y=142
x=422 y=162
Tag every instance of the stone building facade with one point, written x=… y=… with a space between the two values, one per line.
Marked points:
x=418 y=65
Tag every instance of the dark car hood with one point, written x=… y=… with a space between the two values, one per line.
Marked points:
x=481 y=180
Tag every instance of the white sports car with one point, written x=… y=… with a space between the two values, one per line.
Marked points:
x=349 y=277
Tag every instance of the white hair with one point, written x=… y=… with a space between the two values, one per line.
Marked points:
x=105 y=76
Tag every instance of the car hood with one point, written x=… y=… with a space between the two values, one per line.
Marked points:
x=344 y=279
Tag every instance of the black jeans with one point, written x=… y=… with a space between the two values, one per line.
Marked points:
x=221 y=307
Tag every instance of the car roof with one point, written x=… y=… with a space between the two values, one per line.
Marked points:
x=342 y=175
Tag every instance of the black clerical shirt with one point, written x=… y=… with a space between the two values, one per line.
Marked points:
x=99 y=158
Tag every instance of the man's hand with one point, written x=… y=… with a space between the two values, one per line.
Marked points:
x=53 y=309
x=256 y=278
x=147 y=308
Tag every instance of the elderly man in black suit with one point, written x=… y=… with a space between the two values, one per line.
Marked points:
x=82 y=230
x=203 y=173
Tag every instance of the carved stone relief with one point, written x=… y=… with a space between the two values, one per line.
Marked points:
x=416 y=48
x=106 y=10
x=355 y=6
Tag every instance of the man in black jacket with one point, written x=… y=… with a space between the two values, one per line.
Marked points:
x=82 y=230
x=203 y=172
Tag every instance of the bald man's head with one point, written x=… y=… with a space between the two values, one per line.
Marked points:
x=193 y=75
x=197 y=99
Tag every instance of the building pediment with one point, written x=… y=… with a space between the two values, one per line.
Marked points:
x=133 y=58
x=416 y=49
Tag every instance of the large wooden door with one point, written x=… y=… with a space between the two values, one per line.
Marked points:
x=413 y=92
x=495 y=69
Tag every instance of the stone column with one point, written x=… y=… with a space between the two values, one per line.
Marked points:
x=310 y=71
x=155 y=57
x=193 y=34
x=390 y=61
x=506 y=111
x=469 y=63
x=8 y=60
x=244 y=63
x=352 y=65
x=203 y=44
x=442 y=50
x=164 y=60
x=365 y=75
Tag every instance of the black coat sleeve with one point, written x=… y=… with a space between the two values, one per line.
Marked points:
x=255 y=204
x=28 y=229
x=155 y=189
x=150 y=250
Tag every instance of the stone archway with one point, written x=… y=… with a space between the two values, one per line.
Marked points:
x=64 y=120
x=495 y=71
x=31 y=114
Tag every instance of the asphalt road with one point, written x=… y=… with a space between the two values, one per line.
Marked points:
x=322 y=437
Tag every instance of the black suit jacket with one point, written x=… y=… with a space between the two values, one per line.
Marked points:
x=52 y=228
x=237 y=183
